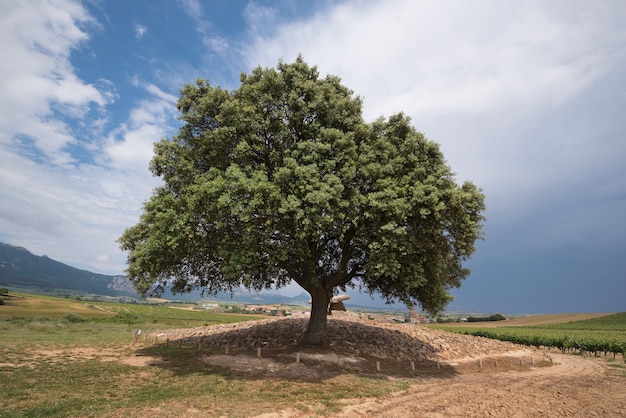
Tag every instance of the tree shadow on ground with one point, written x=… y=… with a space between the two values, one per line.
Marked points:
x=271 y=349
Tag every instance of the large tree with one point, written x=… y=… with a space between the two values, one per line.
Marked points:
x=282 y=180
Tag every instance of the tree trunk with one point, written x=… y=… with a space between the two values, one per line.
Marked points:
x=315 y=334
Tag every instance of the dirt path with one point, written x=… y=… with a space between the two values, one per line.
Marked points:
x=478 y=377
x=572 y=387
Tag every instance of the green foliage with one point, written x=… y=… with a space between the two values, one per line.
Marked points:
x=494 y=317
x=615 y=322
x=72 y=317
x=283 y=180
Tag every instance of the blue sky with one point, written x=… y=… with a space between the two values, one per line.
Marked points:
x=527 y=99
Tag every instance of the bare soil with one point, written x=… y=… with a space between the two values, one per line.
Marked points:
x=451 y=375
x=546 y=319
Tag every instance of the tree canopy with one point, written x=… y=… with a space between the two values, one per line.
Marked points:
x=282 y=179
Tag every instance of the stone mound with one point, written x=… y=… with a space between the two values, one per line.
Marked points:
x=347 y=334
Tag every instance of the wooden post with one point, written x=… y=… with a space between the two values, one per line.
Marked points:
x=258 y=352
x=199 y=345
x=412 y=366
x=438 y=365
x=167 y=342
x=480 y=363
x=377 y=366
x=532 y=360
x=496 y=362
x=155 y=339
x=180 y=343
x=298 y=357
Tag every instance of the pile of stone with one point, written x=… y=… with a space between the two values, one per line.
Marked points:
x=348 y=334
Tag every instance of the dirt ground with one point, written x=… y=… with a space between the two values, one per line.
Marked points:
x=558 y=385
x=457 y=375
x=572 y=387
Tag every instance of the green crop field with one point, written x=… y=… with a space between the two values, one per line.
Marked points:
x=601 y=335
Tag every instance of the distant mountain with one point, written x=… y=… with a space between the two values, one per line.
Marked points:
x=22 y=269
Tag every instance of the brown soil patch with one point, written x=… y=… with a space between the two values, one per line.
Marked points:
x=533 y=320
x=88 y=353
x=455 y=375
x=481 y=377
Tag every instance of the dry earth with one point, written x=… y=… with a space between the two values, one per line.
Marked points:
x=455 y=375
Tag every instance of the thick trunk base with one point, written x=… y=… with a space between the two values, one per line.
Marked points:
x=315 y=334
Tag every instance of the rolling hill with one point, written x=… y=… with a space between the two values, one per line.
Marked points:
x=19 y=268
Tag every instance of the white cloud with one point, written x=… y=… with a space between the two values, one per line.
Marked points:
x=260 y=19
x=216 y=44
x=73 y=214
x=56 y=204
x=140 y=30
x=130 y=146
x=193 y=8
x=38 y=85
x=504 y=87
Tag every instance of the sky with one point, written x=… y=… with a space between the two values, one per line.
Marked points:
x=526 y=99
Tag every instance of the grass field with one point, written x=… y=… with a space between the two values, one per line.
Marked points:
x=63 y=357
x=595 y=333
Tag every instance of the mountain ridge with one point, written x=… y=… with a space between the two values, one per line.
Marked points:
x=21 y=268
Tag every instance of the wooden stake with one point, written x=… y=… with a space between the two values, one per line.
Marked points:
x=377 y=366
x=412 y=366
x=298 y=357
x=258 y=352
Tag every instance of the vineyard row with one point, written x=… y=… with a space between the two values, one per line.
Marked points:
x=586 y=341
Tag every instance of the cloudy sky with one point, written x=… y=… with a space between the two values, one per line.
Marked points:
x=527 y=99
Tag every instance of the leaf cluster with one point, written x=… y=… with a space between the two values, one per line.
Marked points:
x=283 y=180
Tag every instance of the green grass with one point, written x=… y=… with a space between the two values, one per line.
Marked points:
x=55 y=364
x=616 y=322
x=606 y=334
